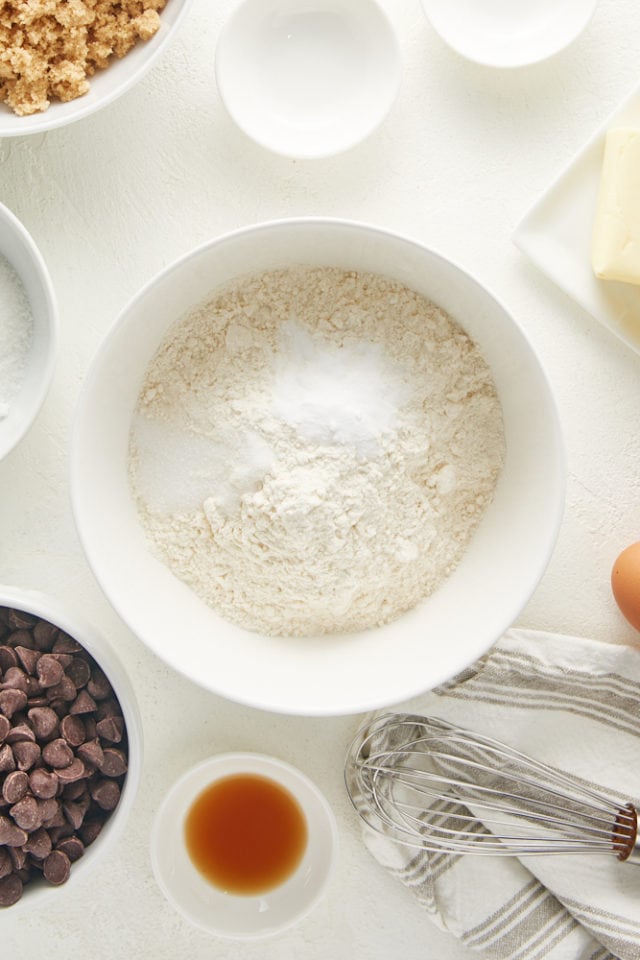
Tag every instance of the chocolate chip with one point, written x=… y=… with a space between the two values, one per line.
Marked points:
x=10 y=834
x=98 y=686
x=90 y=830
x=111 y=729
x=73 y=730
x=72 y=846
x=66 y=644
x=20 y=620
x=49 y=808
x=65 y=690
x=43 y=783
x=8 y=658
x=18 y=857
x=106 y=794
x=12 y=701
x=5 y=726
x=79 y=671
x=74 y=812
x=114 y=763
x=26 y=814
x=28 y=658
x=56 y=821
x=6 y=759
x=50 y=671
x=44 y=634
x=57 y=753
x=20 y=638
x=75 y=771
x=92 y=754
x=20 y=732
x=10 y=890
x=83 y=703
x=64 y=659
x=57 y=867
x=108 y=708
x=6 y=863
x=26 y=754
x=14 y=679
x=15 y=786
x=38 y=844
x=61 y=831
x=75 y=790
x=44 y=721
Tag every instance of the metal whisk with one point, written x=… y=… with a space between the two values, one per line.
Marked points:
x=433 y=786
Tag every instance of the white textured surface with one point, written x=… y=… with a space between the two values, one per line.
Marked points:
x=119 y=195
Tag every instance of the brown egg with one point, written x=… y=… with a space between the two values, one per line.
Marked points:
x=625 y=583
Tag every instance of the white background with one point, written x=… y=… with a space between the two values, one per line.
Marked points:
x=114 y=198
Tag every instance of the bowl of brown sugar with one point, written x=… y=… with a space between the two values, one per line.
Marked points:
x=61 y=61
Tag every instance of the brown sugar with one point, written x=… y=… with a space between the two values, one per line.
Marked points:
x=49 y=48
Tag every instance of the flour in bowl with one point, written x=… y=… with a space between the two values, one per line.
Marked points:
x=313 y=449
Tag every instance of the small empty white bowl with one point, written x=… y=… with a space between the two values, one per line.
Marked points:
x=242 y=917
x=308 y=78
x=19 y=249
x=508 y=33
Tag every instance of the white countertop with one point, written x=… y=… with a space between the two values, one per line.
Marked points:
x=114 y=198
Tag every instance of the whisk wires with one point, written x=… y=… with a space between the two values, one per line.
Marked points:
x=433 y=786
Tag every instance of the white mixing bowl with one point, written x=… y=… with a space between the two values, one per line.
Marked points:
x=328 y=674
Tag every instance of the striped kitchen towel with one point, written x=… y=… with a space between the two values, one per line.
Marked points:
x=574 y=704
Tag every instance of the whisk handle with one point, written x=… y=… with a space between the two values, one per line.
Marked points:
x=629 y=818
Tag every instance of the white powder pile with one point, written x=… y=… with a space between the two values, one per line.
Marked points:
x=313 y=450
x=16 y=331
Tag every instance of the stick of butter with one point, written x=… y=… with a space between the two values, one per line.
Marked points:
x=615 y=247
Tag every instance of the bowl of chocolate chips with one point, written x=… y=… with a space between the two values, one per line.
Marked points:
x=70 y=747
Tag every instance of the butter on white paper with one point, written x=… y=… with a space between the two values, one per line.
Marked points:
x=615 y=250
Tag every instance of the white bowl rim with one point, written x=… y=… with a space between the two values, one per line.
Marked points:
x=61 y=614
x=47 y=120
x=511 y=608
x=53 y=320
x=482 y=59
x=262 y=764
x=349 y=141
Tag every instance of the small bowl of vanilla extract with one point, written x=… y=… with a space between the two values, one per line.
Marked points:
x=243 y=845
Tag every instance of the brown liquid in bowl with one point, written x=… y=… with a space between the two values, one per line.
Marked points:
x=245 y=834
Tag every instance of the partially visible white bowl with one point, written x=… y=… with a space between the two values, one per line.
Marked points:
x=106 y=85
x=504 y=33
x=17 y=246
x=235 y=916
x=308 y=78
x=324 y=675
x=38 y=893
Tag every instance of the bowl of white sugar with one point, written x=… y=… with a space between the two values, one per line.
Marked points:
x=28 y=330
x=317 y=467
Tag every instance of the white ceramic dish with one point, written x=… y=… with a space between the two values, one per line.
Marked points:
x=308 y=78
x=224 y=914
x=508 y=33
x=555 y=234
x=329 y=674
x=38 y=894
x=18 y=247
x=106 y=85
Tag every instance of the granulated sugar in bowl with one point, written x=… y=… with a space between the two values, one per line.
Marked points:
x=333 y=458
